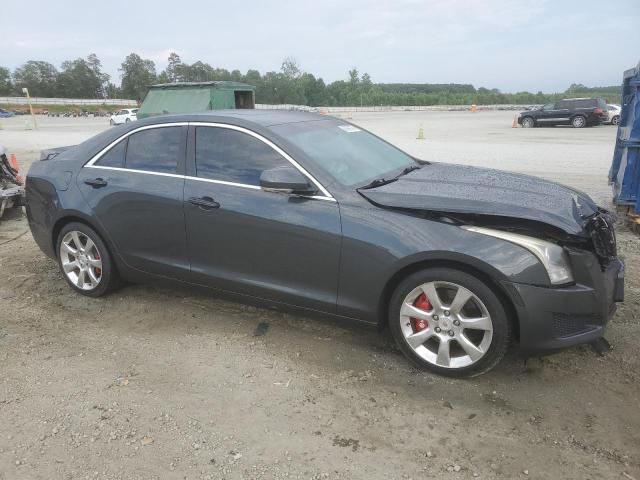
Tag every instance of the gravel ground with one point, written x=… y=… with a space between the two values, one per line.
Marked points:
x=152 y=383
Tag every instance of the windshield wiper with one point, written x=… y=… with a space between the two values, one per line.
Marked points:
x=409 y=169
x=378 y=182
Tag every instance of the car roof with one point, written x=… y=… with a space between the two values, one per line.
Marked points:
x=263 y=118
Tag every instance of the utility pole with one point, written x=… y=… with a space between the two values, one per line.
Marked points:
x=25 y=90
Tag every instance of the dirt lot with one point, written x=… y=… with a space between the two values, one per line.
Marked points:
x=154 y=383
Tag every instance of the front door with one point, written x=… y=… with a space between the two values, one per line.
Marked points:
x=135 y=190
x=242 y=239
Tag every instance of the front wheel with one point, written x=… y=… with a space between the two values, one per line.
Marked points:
x=85 y=261
x=528 y=122
x=615 y=120
x=111 y=122
x=449 y=322
x=127 y=121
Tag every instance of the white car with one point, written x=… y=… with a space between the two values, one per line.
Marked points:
x=125 y=115
x=614 y=114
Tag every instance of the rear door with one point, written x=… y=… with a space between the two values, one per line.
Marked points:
x=242 y=239
x=135 y=189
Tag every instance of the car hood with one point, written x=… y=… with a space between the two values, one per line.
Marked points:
x=448 y=188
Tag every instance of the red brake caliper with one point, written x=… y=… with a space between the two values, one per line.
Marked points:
x=96 y=269
x=422 y=302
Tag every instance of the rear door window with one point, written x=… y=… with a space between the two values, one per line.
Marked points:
x=233 y=156
x=115 y=156
x=158 y=150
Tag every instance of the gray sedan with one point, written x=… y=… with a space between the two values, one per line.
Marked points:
x=313 y=213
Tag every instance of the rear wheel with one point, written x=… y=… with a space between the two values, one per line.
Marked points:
x=579 y=121
x=449 y=322
x=615 y=120
x=127 y=120
x=84 y=260
x=111 y=122
x=528 y=122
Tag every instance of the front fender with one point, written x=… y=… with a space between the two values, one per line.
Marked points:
x=379 y=243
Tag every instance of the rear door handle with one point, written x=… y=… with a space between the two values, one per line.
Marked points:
x=96 y=182
x=206 y=203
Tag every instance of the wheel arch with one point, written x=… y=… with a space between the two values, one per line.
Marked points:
x=78 y=217
x=483 y=272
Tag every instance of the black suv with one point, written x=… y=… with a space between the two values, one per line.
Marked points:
x=579 y=112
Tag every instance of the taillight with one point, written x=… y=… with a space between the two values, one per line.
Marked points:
x=598 y=110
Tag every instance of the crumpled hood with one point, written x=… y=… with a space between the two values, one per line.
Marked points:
x=449 y=188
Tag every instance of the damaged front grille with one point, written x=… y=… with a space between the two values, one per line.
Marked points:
x=603 y=236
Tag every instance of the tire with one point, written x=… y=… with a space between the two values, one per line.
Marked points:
x=579 y=121
x=112 y=123
x=615 y=120
x=483 y=310
x=127 y=120
x=100 y=275
x=528 y=122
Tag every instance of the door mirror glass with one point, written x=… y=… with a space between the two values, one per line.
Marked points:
x=286 y=179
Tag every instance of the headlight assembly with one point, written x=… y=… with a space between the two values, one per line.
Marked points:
x=552 y=256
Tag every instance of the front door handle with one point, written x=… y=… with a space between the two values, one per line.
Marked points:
x=96 y=182
x=206 y=203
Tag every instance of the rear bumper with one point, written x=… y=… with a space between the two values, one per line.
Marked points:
x=552 y=319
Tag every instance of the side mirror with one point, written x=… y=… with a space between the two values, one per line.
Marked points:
x=286 y=179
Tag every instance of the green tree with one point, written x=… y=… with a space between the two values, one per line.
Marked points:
x=38 y=76
x=82 y=78
x=96 y=67
x=290 y=68
x=175 y=68
x=6 y=87
x=354 y=76
x=137 y=74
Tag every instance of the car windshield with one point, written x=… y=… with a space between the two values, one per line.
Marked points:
x=345 y=152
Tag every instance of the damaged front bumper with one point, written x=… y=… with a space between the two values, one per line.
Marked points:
x=552 y=319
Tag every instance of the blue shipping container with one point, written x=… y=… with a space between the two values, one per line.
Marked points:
x=624 y=174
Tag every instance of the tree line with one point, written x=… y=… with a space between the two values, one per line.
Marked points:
x=84 y=78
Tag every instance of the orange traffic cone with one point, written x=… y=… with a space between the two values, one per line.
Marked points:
x=515 y=122
x=14 y=164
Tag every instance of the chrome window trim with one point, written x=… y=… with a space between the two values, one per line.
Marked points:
x=91 y=163
x=133 y=170
x=268 y=142
x=98 y=155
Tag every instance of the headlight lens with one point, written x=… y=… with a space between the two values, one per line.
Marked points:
x=552 y=256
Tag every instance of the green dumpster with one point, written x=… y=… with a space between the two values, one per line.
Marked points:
x=189 y=97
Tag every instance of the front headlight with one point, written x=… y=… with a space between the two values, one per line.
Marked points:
x=552 y=256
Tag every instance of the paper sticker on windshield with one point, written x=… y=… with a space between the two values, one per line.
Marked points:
x=349 y=128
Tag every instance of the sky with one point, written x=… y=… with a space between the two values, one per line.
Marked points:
x=513 y=45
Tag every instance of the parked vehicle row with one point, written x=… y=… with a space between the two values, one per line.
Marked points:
x=305 y=211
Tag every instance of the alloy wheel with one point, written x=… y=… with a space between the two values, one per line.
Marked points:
x=81 y=260
x=579 y=122
x=446 y=324
x=527 y=122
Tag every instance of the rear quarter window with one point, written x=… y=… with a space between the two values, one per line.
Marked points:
x=114 y=156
